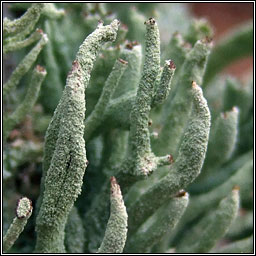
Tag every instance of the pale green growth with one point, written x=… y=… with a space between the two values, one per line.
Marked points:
x=198 y=204
x=14 y=46
x=52 y=12
x=116 y=231
x=65 y=156
x=153 y=229
x=132 y=53
x=222 y=175
x=164 y=86
x=21 y=27
x=205 y=234
x=24 y=66
x=240 y=95
x=23 y=212
x=118 y=112
x=173 y=127
x=74 y=238
x=114 y=150
x=241 y=246
x=186 y=167
x=63 y=181
x=95 y=118
x=27 y=104
x=121 y=35
x=91 y=44
x=223 y=136
x=237 y=44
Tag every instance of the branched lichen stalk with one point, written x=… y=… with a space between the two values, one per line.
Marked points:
x=23 y=212
x=186 y=167
x=116 y=231
x=176 y=112
x=14 y=46
x=24 y=24
x=139 y=133
x=94 y=120
x=67 y=159
x=140 y=161
x=164 y=87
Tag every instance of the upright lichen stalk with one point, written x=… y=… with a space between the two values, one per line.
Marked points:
x=65 y=157
x=152 y=127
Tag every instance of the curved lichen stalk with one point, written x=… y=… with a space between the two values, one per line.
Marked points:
x=186 y=167
x=65 y=157
x=141 y=161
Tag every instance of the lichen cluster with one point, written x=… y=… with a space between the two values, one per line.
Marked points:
x=141 y=146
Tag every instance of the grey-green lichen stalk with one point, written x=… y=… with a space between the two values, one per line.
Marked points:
x=140 y=121
x=23 y=212
x=65 y=157
x=186 y=167
x=116 y=231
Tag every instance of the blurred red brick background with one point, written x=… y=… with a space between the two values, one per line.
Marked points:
x=223 y=17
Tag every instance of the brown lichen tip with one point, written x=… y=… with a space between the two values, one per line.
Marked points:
x=100 y=23
x=24 y=207
x=150 y=122
x=206 y=40
x=171 y=64
x=150 y=21
x=39 y=30
x=40 y=69
x=123 y=61
x=236 y=187
x=170 y=159
x=181 y=193
x=75 y=65
x=115 y=189
x=194 y=85
x=130 y=45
